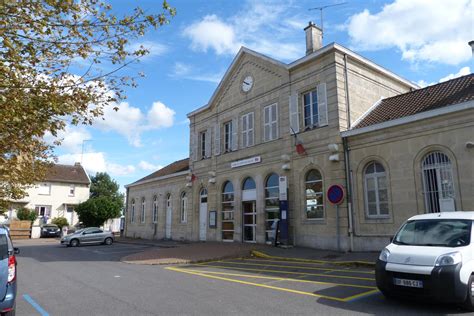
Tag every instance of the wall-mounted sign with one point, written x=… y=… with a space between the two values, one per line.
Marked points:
x=244 y=162
x=213 y=219
x=282 y=188
x=335 y=194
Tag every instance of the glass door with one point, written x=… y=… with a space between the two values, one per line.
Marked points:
x=250 y=214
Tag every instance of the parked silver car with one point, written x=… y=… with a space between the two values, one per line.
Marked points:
x=90 y=235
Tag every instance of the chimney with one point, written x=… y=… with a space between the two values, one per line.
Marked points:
x=314 y=38
x=77 y=164
x=471 y=43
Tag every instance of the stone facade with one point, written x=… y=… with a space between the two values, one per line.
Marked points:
x=401 y=150
x=274 y=88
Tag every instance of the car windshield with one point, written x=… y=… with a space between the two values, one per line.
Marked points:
x=79 y=231
x=435 y=232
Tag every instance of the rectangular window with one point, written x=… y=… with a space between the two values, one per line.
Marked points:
x=44 y=189
x=228 y=136
x=202 y=144
x=43 y=210
x=310 y=104
x=247 y=130
x=270 y=122
x=132 y=213
x=155 y=210
x=72 y=190
x=184 y=205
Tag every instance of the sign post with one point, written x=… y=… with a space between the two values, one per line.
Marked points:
x=335 y=196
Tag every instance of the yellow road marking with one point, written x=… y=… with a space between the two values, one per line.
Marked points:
x=253 y=276
x=298 y=267
x=271 y=286
x=260 y=254
x=285 y=272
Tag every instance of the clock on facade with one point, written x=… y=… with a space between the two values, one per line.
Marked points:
x=247 y=84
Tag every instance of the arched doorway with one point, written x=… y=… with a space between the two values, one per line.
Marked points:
x=169 y=216
x=249 y=210
x=203 y=215
x=438 y=186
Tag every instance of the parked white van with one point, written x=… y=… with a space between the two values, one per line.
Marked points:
x=431 y=256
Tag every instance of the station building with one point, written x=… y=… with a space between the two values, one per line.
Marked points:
x=325 y=119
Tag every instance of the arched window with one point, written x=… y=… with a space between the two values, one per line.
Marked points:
x=142 y=213
x=249 y=184
x=155 y=209
x=228 y=212
x=184 y=207
x=438 y=185
x=314 y=196
x=272 y=206
x=168 y=200
x=375 y=187
x=132 y=212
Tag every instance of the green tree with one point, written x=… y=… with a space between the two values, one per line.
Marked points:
x=43 y=81
x=105 y=201
x=60 y=221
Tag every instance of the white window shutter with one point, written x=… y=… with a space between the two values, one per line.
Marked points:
x=322 y=105
x=276 y=125
x=251 y=129
x=208 y=142
x=294 y=114
x=266 y=123
x=193 y=146
x=244 y=123
x=217 y=139
x=235 y=134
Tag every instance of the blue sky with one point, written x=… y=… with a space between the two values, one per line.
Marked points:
x=424 y=41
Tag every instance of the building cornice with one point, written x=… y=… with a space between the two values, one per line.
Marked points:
x=168 y=176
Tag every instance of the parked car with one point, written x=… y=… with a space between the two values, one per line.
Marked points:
x=91 y=235
x=431 y=256
x=8 y=273
x=50 y=230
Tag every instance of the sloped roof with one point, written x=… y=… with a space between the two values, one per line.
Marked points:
x=440 y=95
x=177 y=166
x=67 y=173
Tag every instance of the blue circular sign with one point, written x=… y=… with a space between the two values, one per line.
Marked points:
x=335 y=194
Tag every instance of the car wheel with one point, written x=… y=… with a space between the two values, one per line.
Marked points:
x=469 y=303
x=108 y=241
x=74 y=243
x=12 y=312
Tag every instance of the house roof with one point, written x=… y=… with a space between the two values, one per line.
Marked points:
x=177 y=166
x=67 y=173
x=433 y=97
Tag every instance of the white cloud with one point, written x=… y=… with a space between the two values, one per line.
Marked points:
x=95 y=162
x=462 y=72
x=264 y=26
x=131 y=121
x=154 y=48
x=212 y=33
x=423 y=30
x=71 y=138
x=160 y=116
x=144 y=165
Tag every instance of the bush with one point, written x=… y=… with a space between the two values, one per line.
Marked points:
x=25 y=214
x=60 y=221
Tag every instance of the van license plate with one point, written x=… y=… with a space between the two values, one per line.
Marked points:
x=409 y=283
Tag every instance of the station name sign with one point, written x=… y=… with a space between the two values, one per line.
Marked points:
x=244 y=162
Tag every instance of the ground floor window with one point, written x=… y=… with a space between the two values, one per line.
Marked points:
x=272 y=207
x=314 y=195
x=228 y=212
x=43 y=210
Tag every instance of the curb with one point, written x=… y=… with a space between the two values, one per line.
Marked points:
x=359 y=263
x=183 y=261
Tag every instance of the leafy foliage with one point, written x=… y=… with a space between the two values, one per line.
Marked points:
x=60 y=221
x=106 y=201
x=25 y=214
x=43 y=42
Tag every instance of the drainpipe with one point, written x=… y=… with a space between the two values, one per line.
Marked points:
x=346 y=161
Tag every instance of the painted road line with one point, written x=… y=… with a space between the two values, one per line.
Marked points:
x=298 y=267
x=285 y=272
x=264 y=285
x=254 y=276
x=260 y=254
x=364 y=295
x=35 y=305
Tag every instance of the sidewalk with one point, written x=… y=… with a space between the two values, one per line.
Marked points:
x=175 y=252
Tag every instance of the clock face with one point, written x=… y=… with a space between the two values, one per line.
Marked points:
x=247 y=84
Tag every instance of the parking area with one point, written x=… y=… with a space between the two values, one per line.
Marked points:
x=325 y=280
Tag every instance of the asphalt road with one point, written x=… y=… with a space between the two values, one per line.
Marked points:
x=90 y=280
